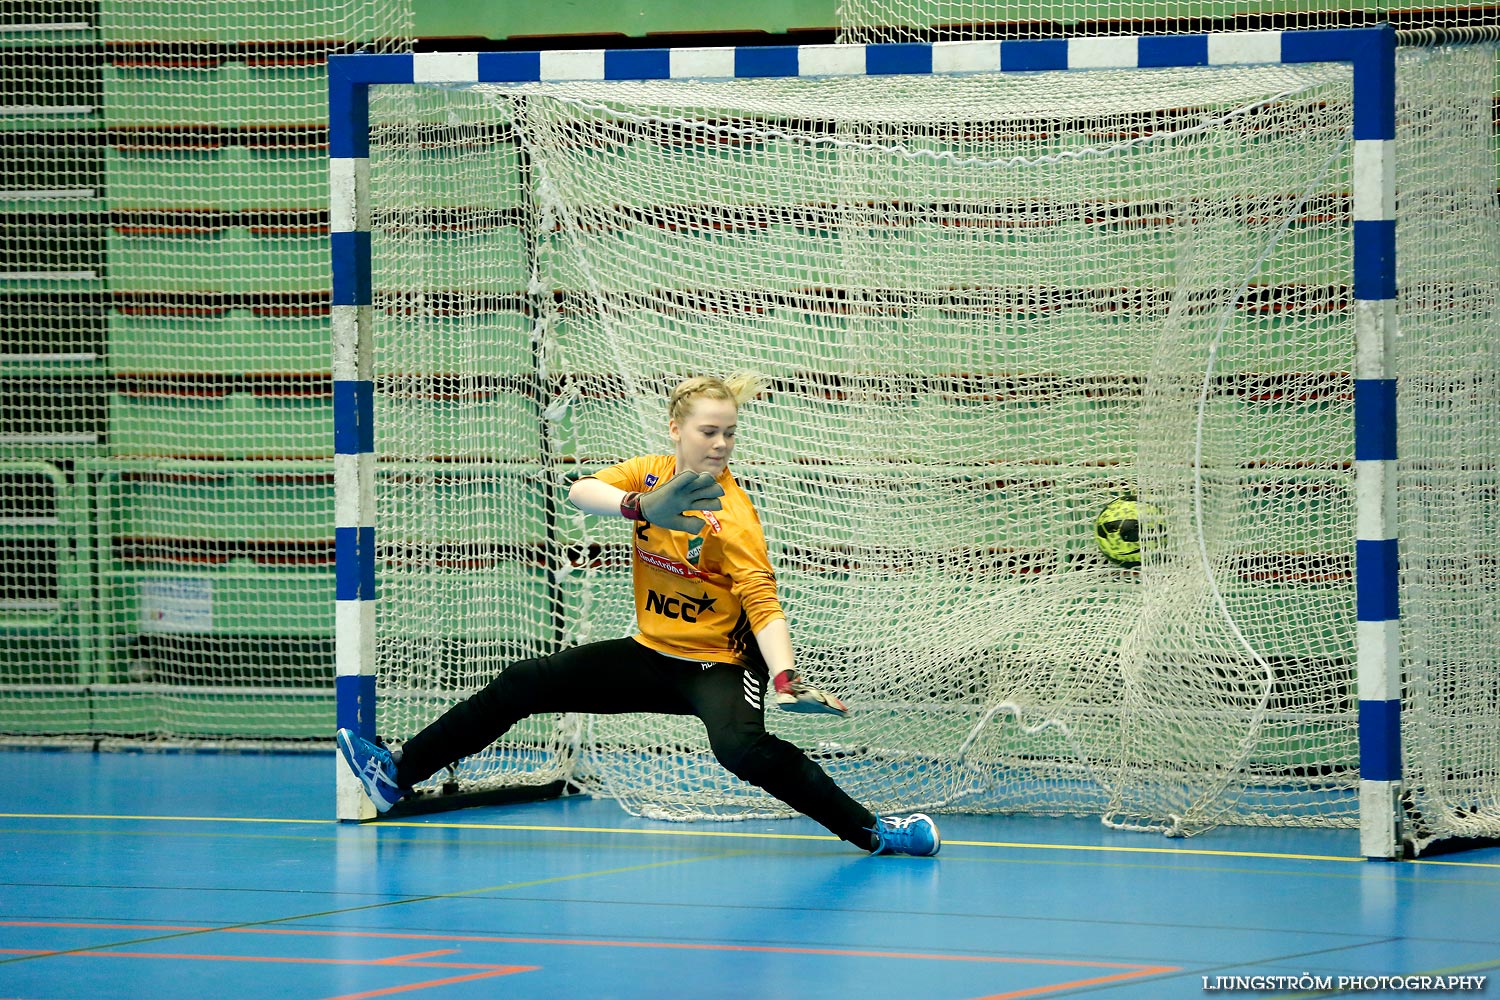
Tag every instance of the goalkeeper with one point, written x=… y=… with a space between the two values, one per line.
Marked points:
x=712 y=633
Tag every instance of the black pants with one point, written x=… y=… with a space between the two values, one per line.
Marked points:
x=621 y=675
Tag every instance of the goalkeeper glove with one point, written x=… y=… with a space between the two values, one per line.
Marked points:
x=793 y=694
x=685 y=491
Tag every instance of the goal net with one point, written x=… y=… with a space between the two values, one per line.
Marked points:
x=1448 y=358
x=951 y=20
x=988 y=304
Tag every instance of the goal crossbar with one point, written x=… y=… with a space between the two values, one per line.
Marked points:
x=1369 y=51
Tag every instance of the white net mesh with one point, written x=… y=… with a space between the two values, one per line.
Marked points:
x=924 y=20
x=468 y=569
x=1449 y=363
x=988 y=304
x=166 y=538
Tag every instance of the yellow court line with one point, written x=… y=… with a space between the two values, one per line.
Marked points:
x=628 y=831
x=1454 y=864
x=1104 y=848
x=729 y=834
x=1195 y=851
x=745 y=835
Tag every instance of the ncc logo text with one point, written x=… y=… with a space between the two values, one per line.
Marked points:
x=683 y=606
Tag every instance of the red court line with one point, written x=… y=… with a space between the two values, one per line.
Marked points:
x=686 y=946
x=1131 y=970
x=399 y=962
x=1036 y=991
x=402 y=959
x=392 y=990
x=268 y=959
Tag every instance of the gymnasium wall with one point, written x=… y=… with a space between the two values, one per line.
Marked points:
x=166 y=542
x=450 y=18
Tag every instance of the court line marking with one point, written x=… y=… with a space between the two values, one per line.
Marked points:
x=1076 y=984
x=742 y=835
x=627 y=831
x=195 y=931
x=1129 y=970
x=1013 y=845
x=486 y=971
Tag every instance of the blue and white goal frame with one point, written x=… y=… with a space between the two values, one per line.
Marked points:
x=1370 y=51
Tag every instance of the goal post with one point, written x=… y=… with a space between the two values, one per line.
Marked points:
x=743 y=262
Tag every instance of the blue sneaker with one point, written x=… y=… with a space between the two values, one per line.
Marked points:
x=373 y=765
x=916 y=835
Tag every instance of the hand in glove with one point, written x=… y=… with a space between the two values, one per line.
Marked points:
x=793 y=694
x=665 y=505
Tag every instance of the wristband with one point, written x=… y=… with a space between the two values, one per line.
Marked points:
x=630 y=507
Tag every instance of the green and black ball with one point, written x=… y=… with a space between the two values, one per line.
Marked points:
x=1119 y=528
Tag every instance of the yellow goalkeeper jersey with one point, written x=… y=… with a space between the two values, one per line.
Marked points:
x=699 y=597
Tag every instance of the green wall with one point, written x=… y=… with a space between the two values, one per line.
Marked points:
x=446 y=18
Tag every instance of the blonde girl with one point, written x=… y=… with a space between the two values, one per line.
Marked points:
x=711 y=635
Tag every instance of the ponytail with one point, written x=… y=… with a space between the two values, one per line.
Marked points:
x=738 y=388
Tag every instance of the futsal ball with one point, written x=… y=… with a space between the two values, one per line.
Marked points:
x=1117 y=529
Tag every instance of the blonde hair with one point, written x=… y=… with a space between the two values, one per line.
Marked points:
x=739 y=388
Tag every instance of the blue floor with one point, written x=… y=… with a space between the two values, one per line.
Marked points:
x=166 y=876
